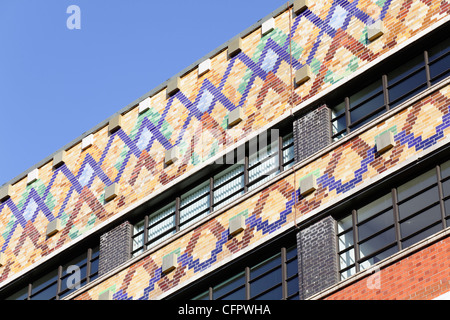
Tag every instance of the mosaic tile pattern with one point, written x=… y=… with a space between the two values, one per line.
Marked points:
x=272 y=208
x=330 y=37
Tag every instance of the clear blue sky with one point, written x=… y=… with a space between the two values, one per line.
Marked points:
x=57 y=83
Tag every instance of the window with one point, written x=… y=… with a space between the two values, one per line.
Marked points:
x=271 y=276
x=390 y=89
x=228 y=185
x=62 y=280
x=156 y=227
x=221 y=188
x=407 y=214
x=194 y=205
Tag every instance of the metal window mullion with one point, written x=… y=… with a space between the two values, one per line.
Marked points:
x=30 y=288
x=246 y=176
x=347 y=114
x=396 y=217
x=211 y=194
x=88 y=265
x=284 y=289
x=441 y=196
x=144 y=243
x=384 y=83
x=58 y=286
x=247 y=283
x=280 y=152
x=427 y=68
x=355 y=240
x=210 y=293
x=177 y=214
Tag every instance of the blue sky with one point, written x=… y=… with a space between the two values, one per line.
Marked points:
x=57 y=83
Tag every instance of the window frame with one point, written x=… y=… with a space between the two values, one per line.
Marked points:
x=400 y=240
x=284 y=142
x=91 y=254
x=382 y=74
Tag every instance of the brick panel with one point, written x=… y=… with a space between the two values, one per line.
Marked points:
x=423 y=275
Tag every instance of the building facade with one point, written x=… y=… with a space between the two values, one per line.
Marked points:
x=306 y=158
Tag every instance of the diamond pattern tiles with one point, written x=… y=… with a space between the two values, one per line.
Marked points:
x=195 y=119
x=273 y=207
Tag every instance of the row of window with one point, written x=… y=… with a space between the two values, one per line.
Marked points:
x=391 y=89
x=271 y=276
x=215 y=192
x=63 y=279
x=403 y=216
x=359 y=247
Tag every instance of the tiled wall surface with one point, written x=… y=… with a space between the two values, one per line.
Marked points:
x=330 y=37
x=417 y=128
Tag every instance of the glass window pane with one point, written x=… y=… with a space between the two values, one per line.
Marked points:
x=396 y=88
x=439 y=62
x=94 y=266
x=346 y=274
x=447 y=207
x=236 y=295
x=161 y=222
x=439 y=69
x=365 y=93
x=268 y=161
x=376 y=224
x=46 y=294
x=138 y=239
x=265 y=282
x=338 y=110
x=406 y=68
x=418 y=202
x=374 y=93
x=366 y=120
x=439 y=49
x=370 y=246
x=345 y=223
x=346 y=240
x=274 y=294
x=415 y=185
x=228 y=285
x=202 y=296
x=95 y=252
x=347 y=259
x=233 y=188
x=292 y=286
x=374 y=207
x=426 y=233
x=22 y=294
x=292 y=268
x=445 y=169
x=288 y=154
x=446 y=188
x=193 y=203
x=420 y=221
x=45 y=281
x=382 y=255
x=266 y=265
x=366 y=108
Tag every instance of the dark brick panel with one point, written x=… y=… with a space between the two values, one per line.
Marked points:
x=312 y=132
x=317 y=260
x=115 y=247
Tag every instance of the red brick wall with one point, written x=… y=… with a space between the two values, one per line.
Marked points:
x=424 y=275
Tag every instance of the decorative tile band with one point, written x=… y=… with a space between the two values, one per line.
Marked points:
x=272 y=208
x=330 y=37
